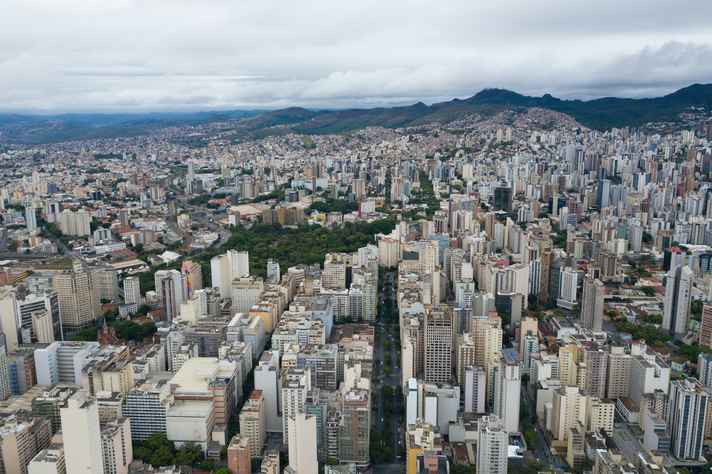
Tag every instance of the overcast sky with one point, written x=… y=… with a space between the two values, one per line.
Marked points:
x=154 y=55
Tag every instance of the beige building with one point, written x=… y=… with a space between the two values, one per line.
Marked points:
x=252 y=423
x=78 y=307
x=438 y=346
x=116 y=446
x=48 y=461
x=20 y=440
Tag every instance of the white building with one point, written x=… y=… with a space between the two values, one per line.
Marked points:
x=116 y=446
x=302 y=444
x=507 y=390
x=687 y=412
x=295 y=384
x=492 y=446
x=266 y=380
x=678 y=297
x=474 y=387
x=48 y=461
x=227 y=267
x=81 y=435
x=169 y=289
x=190 y=422
x=568 y=286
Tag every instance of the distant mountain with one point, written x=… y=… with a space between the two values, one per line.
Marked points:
x=608 y=112
x=600 y=114
x=38 y=129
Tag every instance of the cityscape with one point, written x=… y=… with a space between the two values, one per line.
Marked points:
x=492 y=282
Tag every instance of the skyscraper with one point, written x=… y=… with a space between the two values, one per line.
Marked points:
x=192 y=277
x=507 y=390
x=592 y=304
x=492 y=444
x=438 y=346
x=252 y=423
x=705 y=338
x=295 y=385
x=676 y=307
x=273 y=272
x=687 y=409
x=169 y=288
x=302 y=444
x=78 y=307
x=81 y=435
x=30 y=218
x=474 y=388
x=132 y=291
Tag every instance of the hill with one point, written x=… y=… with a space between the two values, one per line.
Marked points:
x=602 y=114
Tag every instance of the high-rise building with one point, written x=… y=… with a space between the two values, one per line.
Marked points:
x=48 y=461
x=227 y=267
x=705 y=339
x=5 y=387
x=568 y=287
x=192 y=277
x=704 y=369
x=592 y=304
x=132 y=291
x=238 y=455
x=266 y=380
x=618 y=373
x=507 y=390
x=355 y=427
x=42 y=327
x=678 y=297
x=81 y=435
x=252 y=423
x=21 y=438
x=492 y=445
x=295 y=385
x=116 y=446
x=595 y=362
x=568 y=407
x=28 y=304
x=9 y=317
x=246 y=292
x=76 y=223
x=78 y=306
x=146 y=405
x=465 y=357
x=687 y=415
x=302 y=444
x=503 y=197
x=169 y=288
x=273 y=272
x=474 y=388
x=438 y=346
x=31 y=218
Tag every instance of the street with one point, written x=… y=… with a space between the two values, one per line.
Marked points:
x=388 y=410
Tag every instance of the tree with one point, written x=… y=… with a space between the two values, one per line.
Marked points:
x=156 y=450
x=221 y=470
x=188 y=455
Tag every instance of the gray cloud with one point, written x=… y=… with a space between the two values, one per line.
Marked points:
x=133 y=55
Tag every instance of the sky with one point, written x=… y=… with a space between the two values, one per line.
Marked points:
x=180 y=55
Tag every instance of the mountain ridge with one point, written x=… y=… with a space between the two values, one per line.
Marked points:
x=601 y=113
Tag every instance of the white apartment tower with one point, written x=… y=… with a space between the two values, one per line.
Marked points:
x=676 y=307
x=492 y=445
x=81 y=434
x=507 y=390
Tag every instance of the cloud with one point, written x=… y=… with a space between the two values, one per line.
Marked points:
x=133 y=55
